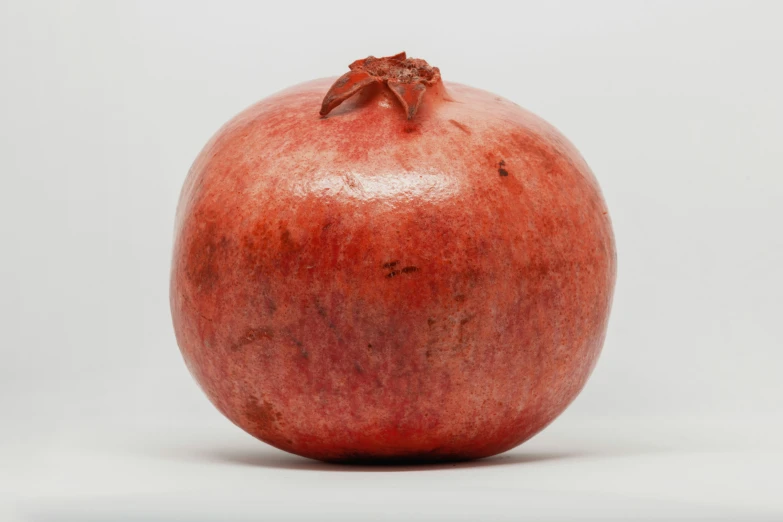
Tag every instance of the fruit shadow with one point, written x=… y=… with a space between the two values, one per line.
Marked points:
x=281 y=460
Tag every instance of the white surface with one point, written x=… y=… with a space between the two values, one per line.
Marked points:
x=676 y=106
x=649 y=469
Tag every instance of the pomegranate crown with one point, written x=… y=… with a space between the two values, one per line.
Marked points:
x=407 y=78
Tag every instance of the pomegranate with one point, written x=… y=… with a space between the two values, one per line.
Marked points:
x=422 y=271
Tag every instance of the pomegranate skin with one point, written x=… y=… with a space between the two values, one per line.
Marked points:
x=363 y=287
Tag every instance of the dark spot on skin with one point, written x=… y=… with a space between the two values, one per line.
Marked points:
x=472 y=276
x=541 y=269
x=357 y=367
x=253 y=335
x=501 y=170
x=462 y=323
x=322 y=312
x=288 y=244
x=369 y=346
x=326 y=227
x=410 y=127
x=271 y=305
x=262 y=416
x=536 y=146
x=430 y=321
x=305 y=354
x=350 y=181
x=394 y=273
x=459 y=298
x=203 y=260
x=428 y=354
x=460 y=126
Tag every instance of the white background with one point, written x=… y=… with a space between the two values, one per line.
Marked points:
x=677 y=107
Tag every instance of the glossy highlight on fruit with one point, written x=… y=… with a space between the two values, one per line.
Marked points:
x=420 y=271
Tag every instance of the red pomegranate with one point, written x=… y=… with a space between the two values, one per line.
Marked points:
x=422 y=271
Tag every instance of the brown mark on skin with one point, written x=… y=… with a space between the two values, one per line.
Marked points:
x=430 y=321
x=251 y=336
x=285 y=237
x=459 y=298
x=395 y=272
x=410 y=127
x=203 y=257
x=270 y=304
x=460 y=126
x=323 y=313
x=501 y=170
x=462 y=323
x=262 y=416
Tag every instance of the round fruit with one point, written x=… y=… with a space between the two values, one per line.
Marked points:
x=422 y=271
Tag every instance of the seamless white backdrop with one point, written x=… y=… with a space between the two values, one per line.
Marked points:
x=677 y=107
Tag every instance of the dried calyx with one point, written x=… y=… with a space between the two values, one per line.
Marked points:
x=407 y=78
